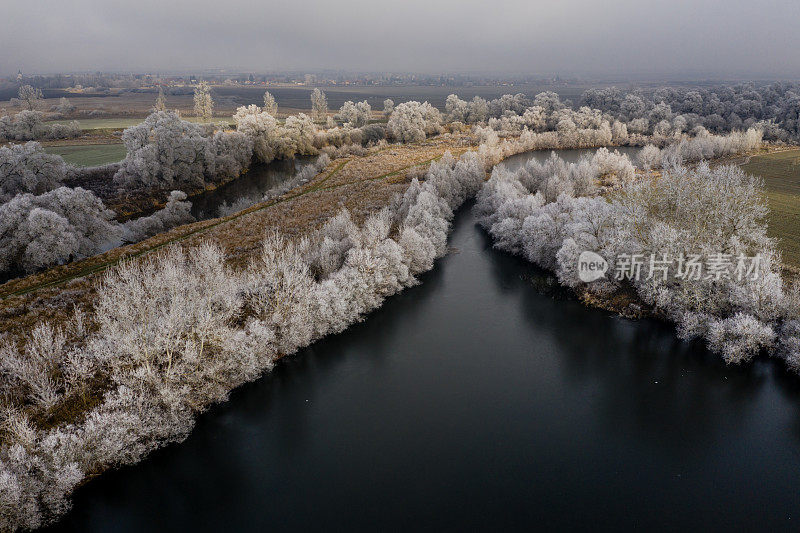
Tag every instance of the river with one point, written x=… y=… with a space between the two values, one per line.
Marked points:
x=484 y=398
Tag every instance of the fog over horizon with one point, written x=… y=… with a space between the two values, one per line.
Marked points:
x=696 y=39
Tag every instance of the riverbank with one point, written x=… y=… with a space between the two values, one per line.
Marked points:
x=362 y=184
x=776 y=165
x=169 y=335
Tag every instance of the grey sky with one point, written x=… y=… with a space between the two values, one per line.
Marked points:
x=622 y=37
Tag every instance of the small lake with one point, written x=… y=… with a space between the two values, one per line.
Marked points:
x=483 y=399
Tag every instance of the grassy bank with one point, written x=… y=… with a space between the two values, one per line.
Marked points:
x=89 y=155
x=781 y=174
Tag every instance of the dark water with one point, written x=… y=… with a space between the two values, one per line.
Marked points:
x=478 y=401
x=250 y=187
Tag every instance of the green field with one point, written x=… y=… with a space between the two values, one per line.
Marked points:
x=101 y=123
x=122 y=123
x=89 y=155
x=781 y=174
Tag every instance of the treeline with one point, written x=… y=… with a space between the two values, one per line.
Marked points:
x=683 y=149
x=165 y=152
x=177 y=331
x=662 y=114
x=545 y=122
x=774 y=109
x=702 y=147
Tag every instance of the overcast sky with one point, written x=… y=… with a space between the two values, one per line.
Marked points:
x=712 y=38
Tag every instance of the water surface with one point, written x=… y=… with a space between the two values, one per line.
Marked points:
x=247 y=189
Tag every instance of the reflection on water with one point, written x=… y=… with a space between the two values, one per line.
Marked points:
x=476 y=401
x=246 y=190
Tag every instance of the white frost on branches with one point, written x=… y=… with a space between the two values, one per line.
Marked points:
x=413 y=121
x=550 y=214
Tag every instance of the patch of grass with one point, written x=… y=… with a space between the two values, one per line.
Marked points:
x=89 y=155
x=781 y=174
x=101 y=123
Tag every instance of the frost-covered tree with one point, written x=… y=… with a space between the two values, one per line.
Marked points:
x=63 y=107
x=233 y=151
x=355 y=115
x=549 y=101
x=270 y=105
x=413 y=121
x=166 y=152
x=364 y=113
x=40 y=231
x=203 y=103
x=299 y=135
x=388 y=107
x=472 y=112
x=270 y=139
x=649 y=157
x=319 y=105
x=27 y=168
x=262 y=129
x=514 y=103
x=372 y=134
